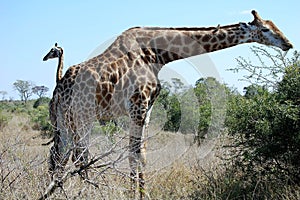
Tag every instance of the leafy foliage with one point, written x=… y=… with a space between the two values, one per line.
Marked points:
x=170 y=102
x=40 y=101
x=40 y=118
x=266 y=124
x=37 y=111
x=199 y=110
x=4 y=118
x=212 y=97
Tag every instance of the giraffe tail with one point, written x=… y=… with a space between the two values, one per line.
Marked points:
x=49 y=142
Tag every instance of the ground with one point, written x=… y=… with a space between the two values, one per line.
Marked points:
x=176 y=167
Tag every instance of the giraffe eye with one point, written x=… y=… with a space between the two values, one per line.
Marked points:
x=265 y=30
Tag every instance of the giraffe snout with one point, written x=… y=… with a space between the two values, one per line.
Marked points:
x=45 y=58
x=287 y=46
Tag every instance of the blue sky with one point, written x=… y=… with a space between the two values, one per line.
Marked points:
x=30 y=28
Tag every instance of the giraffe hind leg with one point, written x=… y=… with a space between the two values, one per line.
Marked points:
x=58 y=158
x=80 y=158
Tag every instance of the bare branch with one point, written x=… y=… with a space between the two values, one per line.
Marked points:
x=54 y=184
x=270 y=66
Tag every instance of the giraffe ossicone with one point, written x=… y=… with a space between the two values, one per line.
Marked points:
x=123 y=81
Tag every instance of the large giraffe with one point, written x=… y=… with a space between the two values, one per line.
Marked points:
x=123 y=81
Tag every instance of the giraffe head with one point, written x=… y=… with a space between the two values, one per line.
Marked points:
x=55 y=52
x=265 y=32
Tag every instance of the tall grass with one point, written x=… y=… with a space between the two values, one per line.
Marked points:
x=23 y=173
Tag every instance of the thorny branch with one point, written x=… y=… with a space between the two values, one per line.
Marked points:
x=54 y=184
x=271 y=64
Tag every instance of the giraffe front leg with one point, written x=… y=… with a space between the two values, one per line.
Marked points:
x=137 y=159
x=136 y=163
x=140 y=111
x=62 y=147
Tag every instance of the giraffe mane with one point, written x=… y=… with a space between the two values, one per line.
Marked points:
x=190 y=28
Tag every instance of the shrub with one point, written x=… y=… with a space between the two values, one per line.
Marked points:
x=40 y=118
x=41 y=101
x=4 y=119
x=266 y=125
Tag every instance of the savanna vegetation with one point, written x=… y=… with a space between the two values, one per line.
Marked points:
x=225 y=145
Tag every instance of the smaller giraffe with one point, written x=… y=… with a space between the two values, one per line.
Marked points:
x=55 y=52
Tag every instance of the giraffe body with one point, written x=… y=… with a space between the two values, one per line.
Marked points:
x=123 y=81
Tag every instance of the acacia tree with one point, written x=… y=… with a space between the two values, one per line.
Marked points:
x=3 y=93
x=40 y=91
x=24 y=88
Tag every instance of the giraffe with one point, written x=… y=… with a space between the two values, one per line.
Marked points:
x=123 y=81
x=55 y=52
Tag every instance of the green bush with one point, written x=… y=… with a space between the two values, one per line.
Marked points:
x=4 y=119
x=169 y=101
x=40 y=118
x=108 y=128
x=266 y=126
x=41 y=101
x=198 y=110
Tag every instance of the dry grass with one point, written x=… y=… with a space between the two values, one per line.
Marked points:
x=22 y=161
x=176 y=170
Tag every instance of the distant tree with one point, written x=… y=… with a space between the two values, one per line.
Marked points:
x=253 y=90
x=199 y=110
x=177 y=85
x=3 y=93
x=169 y=101
x=24 y=88
x=40 y=91
x=211 y=96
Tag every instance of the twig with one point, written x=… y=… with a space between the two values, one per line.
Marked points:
x=70 y=173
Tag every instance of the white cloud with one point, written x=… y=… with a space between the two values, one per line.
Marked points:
x=244 y=12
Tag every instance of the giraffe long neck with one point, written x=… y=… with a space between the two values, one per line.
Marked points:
x=170 y=44
x=60 y=68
